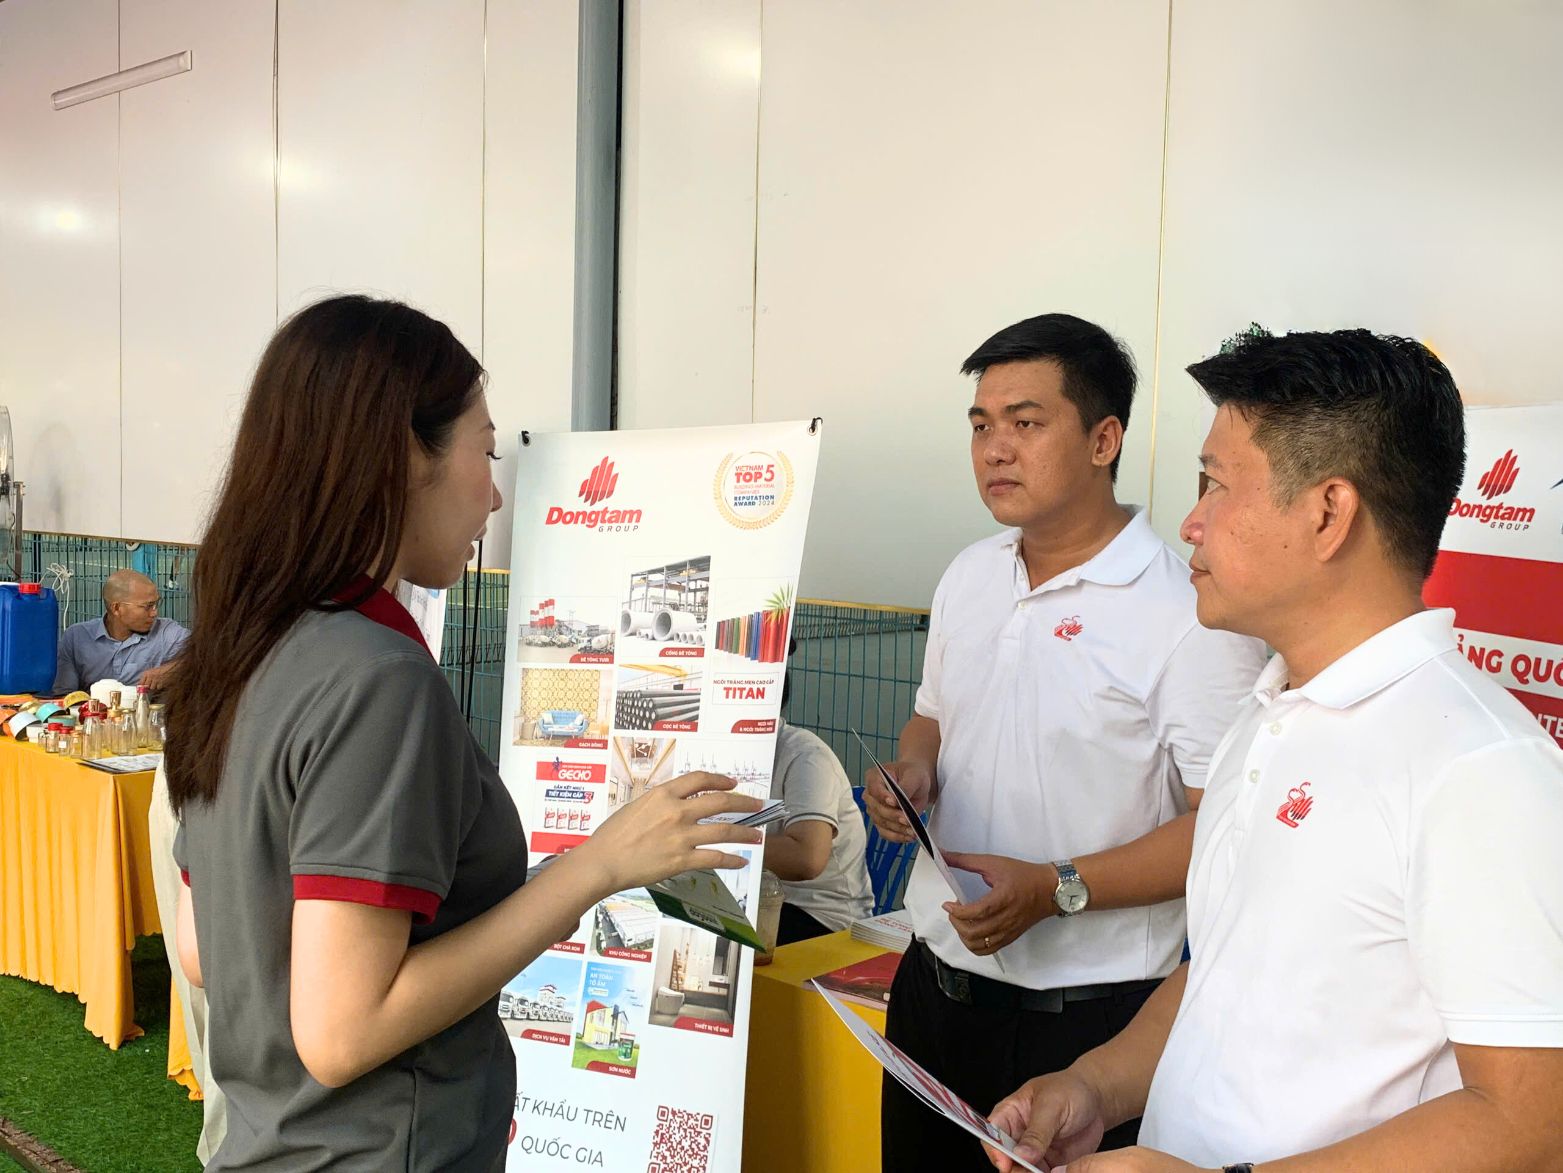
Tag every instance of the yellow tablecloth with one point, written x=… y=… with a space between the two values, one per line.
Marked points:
x=76 y=886
x=811 y=1100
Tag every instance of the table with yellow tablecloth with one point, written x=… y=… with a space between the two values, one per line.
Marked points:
x=811 y=1098
x=76 y=884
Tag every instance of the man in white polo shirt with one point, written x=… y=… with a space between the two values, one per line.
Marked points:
x=1068 y=707
x=1376 y=892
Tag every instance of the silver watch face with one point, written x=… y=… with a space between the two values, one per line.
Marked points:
x=1071 y=897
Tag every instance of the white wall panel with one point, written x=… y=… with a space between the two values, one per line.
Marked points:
x=380 y=130
x=198 y=255
x=929 y=173
x=687 y=212
x=1392 y=165
x=529 y=229
x=59 y=269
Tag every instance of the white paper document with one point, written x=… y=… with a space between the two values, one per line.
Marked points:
x=921 y=831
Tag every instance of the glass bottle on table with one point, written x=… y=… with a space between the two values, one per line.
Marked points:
x=111 y=723
x=157 y=725
x=91 y=735
x=142 y=718
x=119 y=732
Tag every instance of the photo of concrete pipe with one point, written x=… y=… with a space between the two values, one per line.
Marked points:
x=657 y=696
x=668 y=604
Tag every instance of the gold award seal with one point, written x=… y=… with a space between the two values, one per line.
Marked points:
x=753 y=489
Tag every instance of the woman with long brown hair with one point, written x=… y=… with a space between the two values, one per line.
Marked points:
x=354 y=864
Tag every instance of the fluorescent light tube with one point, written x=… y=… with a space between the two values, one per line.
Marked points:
x=125 y=79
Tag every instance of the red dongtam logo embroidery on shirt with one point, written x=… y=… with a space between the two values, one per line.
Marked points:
x=1069 y=628
x=1297 y=805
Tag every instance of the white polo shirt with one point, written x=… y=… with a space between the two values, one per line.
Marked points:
x=1377 y=873
x=1070 y=717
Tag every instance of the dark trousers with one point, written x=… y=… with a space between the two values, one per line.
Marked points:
x=982 y=1055
x=797 y=925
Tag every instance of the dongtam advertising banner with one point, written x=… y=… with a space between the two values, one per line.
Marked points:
x=1500 y=565
x=651 y=599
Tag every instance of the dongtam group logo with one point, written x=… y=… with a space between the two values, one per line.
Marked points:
x=1500 y=478
x=595 y=489
x=1494 y=483
x=599 y=485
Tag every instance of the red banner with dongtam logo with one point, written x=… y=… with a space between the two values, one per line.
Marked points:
x=1500 y=565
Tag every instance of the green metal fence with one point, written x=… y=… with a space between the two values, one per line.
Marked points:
x=856 y=667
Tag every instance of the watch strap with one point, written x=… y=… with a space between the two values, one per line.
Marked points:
x=1245 y=1167
x=1066 y=870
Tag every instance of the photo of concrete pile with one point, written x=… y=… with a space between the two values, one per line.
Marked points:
x=668 y=604
x=657 y=696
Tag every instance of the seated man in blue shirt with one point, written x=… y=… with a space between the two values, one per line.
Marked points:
x=129 y=644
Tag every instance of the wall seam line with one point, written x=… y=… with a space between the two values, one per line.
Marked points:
x=1161 y=259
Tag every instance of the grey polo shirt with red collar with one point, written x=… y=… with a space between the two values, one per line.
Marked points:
x=351 y=775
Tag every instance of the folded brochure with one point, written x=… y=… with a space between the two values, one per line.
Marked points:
x=773 y=809
x=700 y=898
x=910 y=1075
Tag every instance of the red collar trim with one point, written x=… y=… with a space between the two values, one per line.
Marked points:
x=383 y=609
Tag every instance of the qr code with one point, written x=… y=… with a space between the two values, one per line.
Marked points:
x=682 y=1142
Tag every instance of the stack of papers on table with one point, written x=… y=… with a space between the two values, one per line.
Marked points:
x=134 y=763
x=888 y=930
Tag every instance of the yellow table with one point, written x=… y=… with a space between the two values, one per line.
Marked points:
x=811 y=1100
x=76 y=886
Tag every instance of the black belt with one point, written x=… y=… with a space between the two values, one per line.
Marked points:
x=985 y=993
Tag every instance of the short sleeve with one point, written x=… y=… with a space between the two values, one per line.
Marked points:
x=181 y=855
x=1484 y=906
x=813 y=782
x=381 y=789
x=1198 y=695
x=927 y=700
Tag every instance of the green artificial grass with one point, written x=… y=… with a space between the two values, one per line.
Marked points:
x=104 y=1111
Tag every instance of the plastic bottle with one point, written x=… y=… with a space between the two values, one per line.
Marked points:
x=29 y=634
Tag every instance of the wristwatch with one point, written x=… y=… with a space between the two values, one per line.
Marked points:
x=1071 y=896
